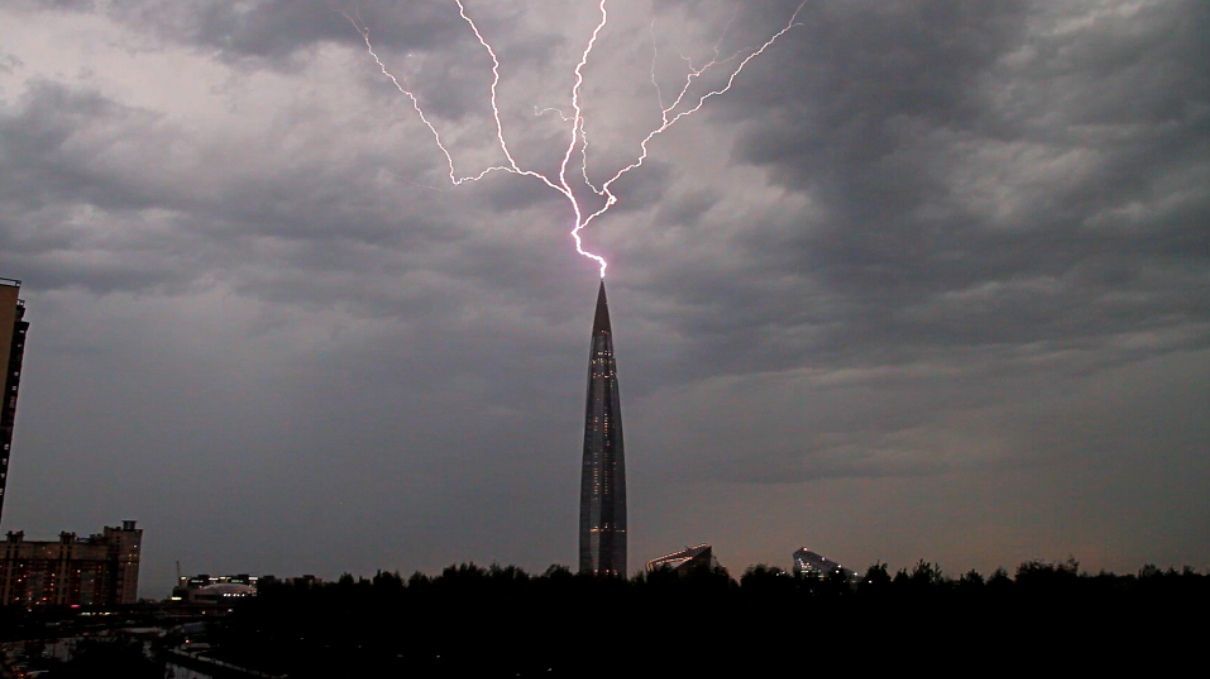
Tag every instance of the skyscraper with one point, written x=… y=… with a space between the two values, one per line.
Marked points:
x=12 y=349
x=603 y=477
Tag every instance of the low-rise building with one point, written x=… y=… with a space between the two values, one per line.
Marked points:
x=214 y=589
x=686 y=560
x=813 y=565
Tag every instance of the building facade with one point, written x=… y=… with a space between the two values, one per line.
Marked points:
x=214 y=589
x=603 y=476
x=688 y=560
x=13 y=327
x=99 y=570
x=814 y=565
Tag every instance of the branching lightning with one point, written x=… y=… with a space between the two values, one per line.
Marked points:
x=670 y=114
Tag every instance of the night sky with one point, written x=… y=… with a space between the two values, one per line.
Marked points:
x=931 y=281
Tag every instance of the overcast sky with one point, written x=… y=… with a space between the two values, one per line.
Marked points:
x=931 y=281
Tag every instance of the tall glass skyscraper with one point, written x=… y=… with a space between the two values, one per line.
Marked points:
x=603 y=478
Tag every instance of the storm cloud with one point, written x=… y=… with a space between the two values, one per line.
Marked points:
x=930 y=282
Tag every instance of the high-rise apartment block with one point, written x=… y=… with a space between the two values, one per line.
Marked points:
x=99 y=570
x=13 y=327
x=603 y=476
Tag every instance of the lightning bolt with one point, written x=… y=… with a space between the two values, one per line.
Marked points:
x=670 y=114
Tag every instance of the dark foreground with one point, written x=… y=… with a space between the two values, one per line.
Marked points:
x=501 y=622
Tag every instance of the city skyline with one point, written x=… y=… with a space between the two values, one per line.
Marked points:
x=929 y=282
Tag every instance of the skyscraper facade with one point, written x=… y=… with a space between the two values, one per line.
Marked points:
x=603 y=476
x=13 y=327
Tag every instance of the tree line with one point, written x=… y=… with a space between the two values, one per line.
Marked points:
x=502 y=621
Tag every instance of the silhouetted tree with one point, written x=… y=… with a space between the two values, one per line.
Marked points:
x=501 y=621
x=876 y=580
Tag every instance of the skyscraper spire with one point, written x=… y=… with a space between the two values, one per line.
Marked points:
x=603 y=477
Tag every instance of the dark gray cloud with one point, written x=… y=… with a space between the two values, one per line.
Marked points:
x=929 y=282
x=278 y=29
x=967 y=189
